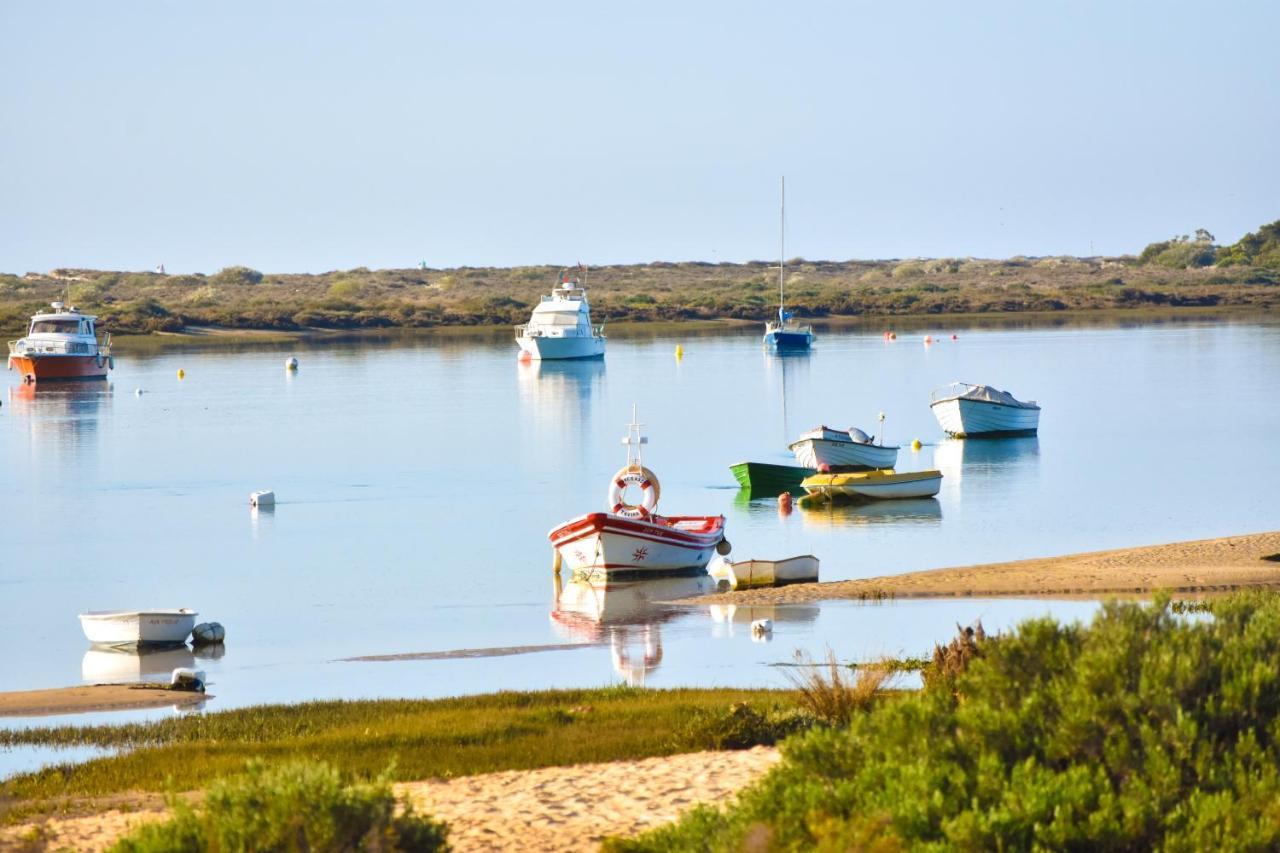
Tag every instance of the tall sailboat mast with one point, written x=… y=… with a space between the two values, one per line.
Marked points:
x=782 y=249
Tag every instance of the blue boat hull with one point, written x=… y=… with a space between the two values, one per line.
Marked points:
x=788 y=340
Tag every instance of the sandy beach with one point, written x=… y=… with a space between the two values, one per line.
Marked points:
x=1205 y=565
x=550 y=809
x=94 y=697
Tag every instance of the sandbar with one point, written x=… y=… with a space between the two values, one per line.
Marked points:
x=1204 y=565
x=94 y=697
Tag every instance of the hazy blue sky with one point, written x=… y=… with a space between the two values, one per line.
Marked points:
x=323 y=135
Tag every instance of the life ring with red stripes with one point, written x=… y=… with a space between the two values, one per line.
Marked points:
x=650 y=491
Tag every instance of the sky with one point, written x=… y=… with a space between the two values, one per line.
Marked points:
x=312 y=136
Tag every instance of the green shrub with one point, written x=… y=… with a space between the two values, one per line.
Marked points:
x=1143 y=730
x=741 y=726
x=237 y=275
x=1258 y=248
x=294 y=807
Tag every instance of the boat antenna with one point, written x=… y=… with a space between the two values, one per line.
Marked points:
x=782 y=248
x=634 y=440
x=882 y=429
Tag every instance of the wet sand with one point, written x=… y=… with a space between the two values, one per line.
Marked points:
x=1205 y=565
x=94 y=697
x=550 y=809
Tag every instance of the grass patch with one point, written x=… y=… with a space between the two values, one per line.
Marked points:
x=422 y=738
x=828 y=694
x=1139 y=731
x=296 y=806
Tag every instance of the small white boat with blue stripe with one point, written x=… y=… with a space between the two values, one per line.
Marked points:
x=965 y=410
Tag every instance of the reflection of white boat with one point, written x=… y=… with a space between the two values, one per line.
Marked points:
x=873 y=485
x=628 y=614
x=632 y=539
x=852 y=448
x=582 y=606
x=745 y=574
x=127 y=628
x=108 y=665
x=561 y=325
x=967 y=410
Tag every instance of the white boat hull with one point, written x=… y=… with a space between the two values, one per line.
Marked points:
x=127 y=628
x=547 y=347
x=606 y=545
x=962 y=417
x=746 y=574
x=814 y=452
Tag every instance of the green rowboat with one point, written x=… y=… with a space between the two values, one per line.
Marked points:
x=763 y=479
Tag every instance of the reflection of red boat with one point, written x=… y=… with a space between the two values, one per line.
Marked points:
x=61 y=344
x=632 y=539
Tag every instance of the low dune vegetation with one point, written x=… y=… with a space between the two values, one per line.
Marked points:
x=1181 y=272
x=1142 y=730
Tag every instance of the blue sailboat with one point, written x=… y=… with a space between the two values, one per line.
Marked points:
x=785 y=334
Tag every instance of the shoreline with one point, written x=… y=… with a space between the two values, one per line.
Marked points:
x=199 y=337
x=1224 y=564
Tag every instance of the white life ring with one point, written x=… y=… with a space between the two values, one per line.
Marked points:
x=634 y=475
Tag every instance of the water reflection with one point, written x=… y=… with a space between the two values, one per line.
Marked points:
x=626 y=614
x=732 y=620
x=958 y=457
x=62 y=418
x=918 y=511
x=101 y=665
x=783 y=369
x=560 y=392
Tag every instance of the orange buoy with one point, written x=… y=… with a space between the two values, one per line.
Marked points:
x=524 y=356
x=928 y=339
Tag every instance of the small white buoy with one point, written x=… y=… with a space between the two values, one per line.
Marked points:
x=290 y=363
x=207 y=633
x=185 y=678
x=761 y=627
x=262 y=499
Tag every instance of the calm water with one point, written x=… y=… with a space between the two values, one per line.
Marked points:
x=417 y=482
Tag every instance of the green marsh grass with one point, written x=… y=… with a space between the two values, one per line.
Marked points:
x=423 y=738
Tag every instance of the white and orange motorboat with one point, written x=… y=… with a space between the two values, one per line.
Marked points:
x=61 y=344
x=632 y=540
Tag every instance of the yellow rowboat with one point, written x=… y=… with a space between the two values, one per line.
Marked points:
x=875 y=485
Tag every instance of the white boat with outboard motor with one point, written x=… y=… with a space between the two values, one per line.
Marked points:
x=132 y=628
x=851 y=448
x=748 y=574
x=966 y=410
x=632 y=539
x=560 y=327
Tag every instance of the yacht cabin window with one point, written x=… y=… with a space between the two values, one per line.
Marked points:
x=61 y=327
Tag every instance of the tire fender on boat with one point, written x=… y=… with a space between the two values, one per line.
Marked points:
x=650 y=491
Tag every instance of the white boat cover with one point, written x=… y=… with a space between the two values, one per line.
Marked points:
x=825 y=433
x=988 y=394
x=859 y=436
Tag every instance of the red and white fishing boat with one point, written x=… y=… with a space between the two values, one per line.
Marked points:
x=632 y=540
x=61 y=344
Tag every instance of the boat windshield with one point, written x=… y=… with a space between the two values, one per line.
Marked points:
x=557 y=318
x=59 y=327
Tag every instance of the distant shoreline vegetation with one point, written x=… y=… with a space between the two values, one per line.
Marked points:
x=1184 y=271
